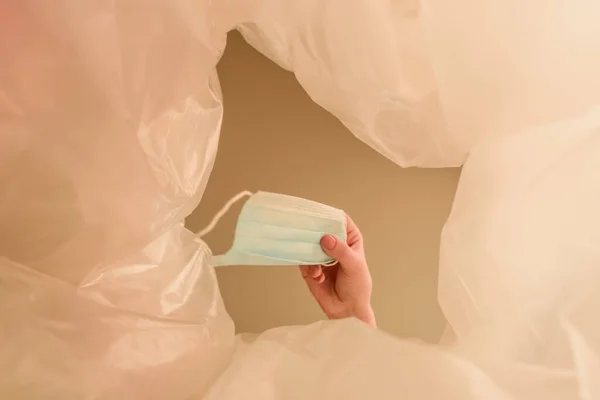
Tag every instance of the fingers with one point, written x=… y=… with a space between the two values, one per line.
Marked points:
x=338 y=250
x=353 y=233
x=313 y=272
x=350 y=225
x=320 y=278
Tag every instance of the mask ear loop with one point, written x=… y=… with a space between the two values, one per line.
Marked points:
x=222 y=212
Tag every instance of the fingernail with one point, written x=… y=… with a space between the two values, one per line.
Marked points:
x=328 y=241
x=315 y=271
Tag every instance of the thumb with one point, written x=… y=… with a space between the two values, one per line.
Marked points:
x=339 y=250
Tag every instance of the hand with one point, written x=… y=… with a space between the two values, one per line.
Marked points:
x=343 y=290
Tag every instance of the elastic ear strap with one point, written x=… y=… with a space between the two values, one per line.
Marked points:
x=223 y=211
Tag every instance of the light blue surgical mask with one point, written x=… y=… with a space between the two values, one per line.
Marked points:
x=276 y=229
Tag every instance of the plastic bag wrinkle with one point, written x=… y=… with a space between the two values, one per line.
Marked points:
x=109 y=133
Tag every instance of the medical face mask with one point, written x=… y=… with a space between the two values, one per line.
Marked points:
x=276 y=229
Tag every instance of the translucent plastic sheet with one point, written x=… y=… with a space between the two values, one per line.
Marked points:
x=110 y=113
x=423 y=81
x=109 y=121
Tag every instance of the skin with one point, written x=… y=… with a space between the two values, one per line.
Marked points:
x=344 y=289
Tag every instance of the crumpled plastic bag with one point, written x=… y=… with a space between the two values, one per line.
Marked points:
x=423 y=81
x=110 y=114
x=109 y=123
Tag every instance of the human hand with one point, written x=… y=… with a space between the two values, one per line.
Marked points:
x=343 y=290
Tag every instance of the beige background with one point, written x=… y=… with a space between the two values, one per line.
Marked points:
x=274 y=138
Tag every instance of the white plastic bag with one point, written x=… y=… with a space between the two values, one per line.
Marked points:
x=109 y=121
x=368 y=64
x=423 y=81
